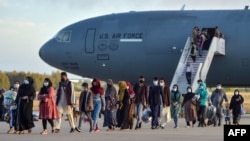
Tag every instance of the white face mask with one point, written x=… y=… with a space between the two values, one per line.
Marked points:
x=46 y=84
x=155 y=83
x=175 y=89
x=26 y=82
x=16 y=86
x=218 y=87
x=84 y=89
x=236 y=93
x=189 y=90
x=162 y=84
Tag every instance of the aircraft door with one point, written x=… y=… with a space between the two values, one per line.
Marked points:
x=90 y=41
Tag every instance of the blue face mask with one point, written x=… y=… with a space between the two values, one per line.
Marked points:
x=26 y=82
x=201 y=87
x=46 y=84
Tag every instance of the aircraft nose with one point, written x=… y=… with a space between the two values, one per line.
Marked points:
x=45 y=52
x=42 y=53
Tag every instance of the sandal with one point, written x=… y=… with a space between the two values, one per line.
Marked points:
x=53 y=130
x=21 y=132
x=44 y=132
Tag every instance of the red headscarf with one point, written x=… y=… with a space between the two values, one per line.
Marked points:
x=97 y=88
x=130 y=89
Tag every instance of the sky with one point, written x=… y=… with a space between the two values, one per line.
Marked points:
x=25 y=25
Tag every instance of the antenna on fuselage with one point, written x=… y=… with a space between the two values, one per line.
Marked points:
x=183 y=6
x=246 y=7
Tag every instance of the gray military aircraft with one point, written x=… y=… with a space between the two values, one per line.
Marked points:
x=123 y=46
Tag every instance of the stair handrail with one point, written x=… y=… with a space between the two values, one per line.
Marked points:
x=209 y=58
x=220 y=49
x=197 y=77
x=182 y=62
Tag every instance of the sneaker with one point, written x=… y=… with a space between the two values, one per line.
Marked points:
x=176 y=127
x=11 y=131
x=44 y=132
x=139 y=125
x=72 y=130
x=78 y=129
x=57 y=130
x=97 y=129
x=136 y=127
x=90 y=130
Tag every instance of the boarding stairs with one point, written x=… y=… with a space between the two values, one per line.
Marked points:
x=200 y=66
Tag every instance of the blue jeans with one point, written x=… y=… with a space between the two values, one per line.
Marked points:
x=200 y=50
x=12 y=117
x=95 y=113
x=138 y=113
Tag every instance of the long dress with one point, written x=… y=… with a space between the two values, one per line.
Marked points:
x=190 y=105
x=235 y=106
x=110 y=109
x=47 y=107
x=123 y=116
x=25 y=107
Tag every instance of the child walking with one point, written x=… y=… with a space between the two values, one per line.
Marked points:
x=85 y=106
x=226 y=112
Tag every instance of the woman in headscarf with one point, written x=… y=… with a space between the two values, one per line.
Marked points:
x=235 y=106
x=111 y=99
x=98 y=101
x=176 y=100
x=123 y=114
x=25 y=96
x=203 y=103
x=190 y=103
x=47 y=108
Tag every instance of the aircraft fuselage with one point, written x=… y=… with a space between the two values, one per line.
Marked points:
x=126 y=45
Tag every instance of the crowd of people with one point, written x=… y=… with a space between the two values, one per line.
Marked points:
x=119 y=107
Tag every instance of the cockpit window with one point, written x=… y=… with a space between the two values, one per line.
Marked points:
x=63 y=36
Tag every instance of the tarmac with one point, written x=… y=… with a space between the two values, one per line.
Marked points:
x=169 y=133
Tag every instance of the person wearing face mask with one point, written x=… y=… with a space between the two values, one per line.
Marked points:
x=235 y=105
x=176 y=100
x=141 y=94
x=111 y=99
x=25 y=96
x=155 y=101
x=203 y=103
x=47 y=107
x=217 y=98
x=65 y=101
x=190 y=103
x=10 y=104
x=165 y=109
x=86 y=106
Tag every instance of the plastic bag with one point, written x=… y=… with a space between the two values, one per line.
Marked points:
x=146 y=115
x=242 y=109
